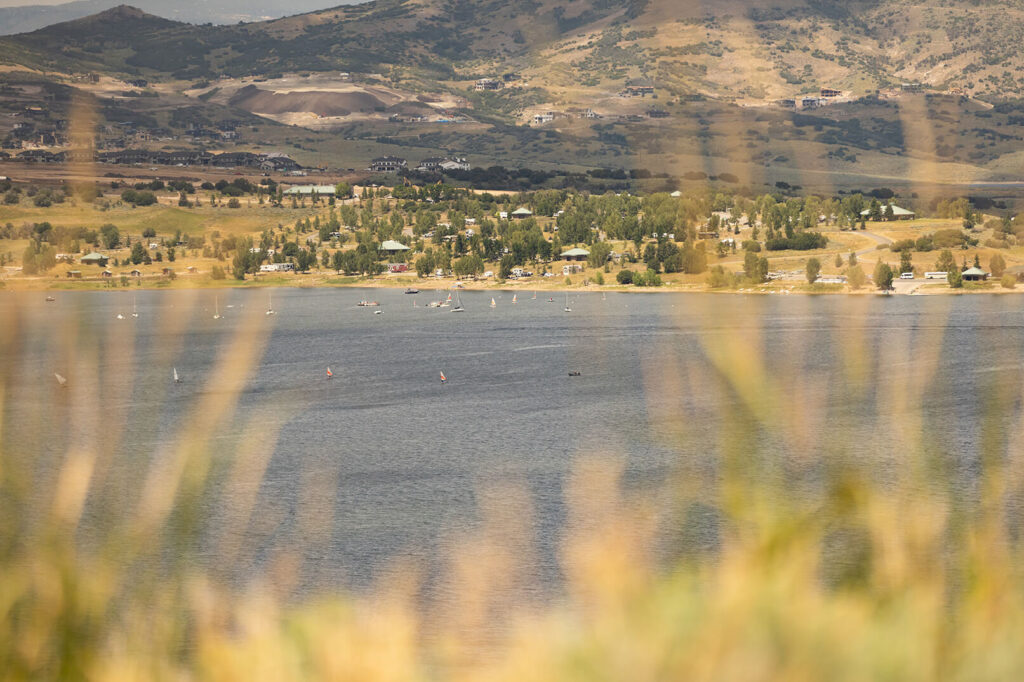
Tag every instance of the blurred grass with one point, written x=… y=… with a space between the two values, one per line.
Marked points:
x=873 y=572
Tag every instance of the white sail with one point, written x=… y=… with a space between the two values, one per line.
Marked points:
x=177 y=380
x=61 y=380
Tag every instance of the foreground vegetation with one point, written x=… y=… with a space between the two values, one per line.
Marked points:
x=878 y=568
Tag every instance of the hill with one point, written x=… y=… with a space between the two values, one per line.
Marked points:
x=769 y=90
x=25 y=18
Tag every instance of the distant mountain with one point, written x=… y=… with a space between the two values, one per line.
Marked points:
x=732 y=49
x=26 y=18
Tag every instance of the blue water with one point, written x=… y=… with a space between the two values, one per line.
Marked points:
x=383 y=463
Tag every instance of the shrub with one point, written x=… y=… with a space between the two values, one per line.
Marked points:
x=217 y=273
x=1008 y=281
x=624 y=277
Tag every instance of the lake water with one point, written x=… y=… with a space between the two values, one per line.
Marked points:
x=384 y=463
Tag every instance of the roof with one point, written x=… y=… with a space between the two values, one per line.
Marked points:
x=94 y=256
x=310 y=188
x=391 y=245
x=522 y=211
x=896 y=210
x=576 y=252
x=975 y=272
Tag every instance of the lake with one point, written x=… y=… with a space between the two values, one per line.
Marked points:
x=384 y=463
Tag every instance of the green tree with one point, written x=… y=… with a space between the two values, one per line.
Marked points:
x=839 y=260
x=852 y=260
x=883 y=276
x=905 y=263
x=625 y=276
x=956 y=278
x=813 y=270
x=110 y=236
x=138 y=253
x=945 y=263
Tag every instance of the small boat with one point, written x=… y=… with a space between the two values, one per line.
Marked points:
x=177 y=379
x=575 y=374
x=567 y=308
x=412 y=290
x=604 y=297
x=135 y=308
x=368 y=304
x=330 y=374
x=444 y=379
x=493 y=304
x=550 y=300
x=458 y=303
x=378 y=312
x=216 y=308
x=534 y=296
x=120 y=316
x=270 y=304
x=50 y=299
x=61 y=380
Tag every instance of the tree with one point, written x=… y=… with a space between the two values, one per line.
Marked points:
x=997 y=265
x=1008 y=281
x=813 y=270
x=883 y=276
x=956 y=278
x=839 y=260
x=110 y=235
x=946 y=263
x=624 y=277
x=853 y=259
x=905 y=263
x=138 y=253
x=856 y=277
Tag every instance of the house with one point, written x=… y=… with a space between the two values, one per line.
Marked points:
x=430 y=165
x=829 y=92
x=74 y=274
x=488 y=84
x=639 y=88
x=974 y=275
x=168 y=272
x=310 y=190
x=456 y=164
x=135 y=273
x=576 y=254
x=392 y=247
x=107 y=274
x=95 y=259
x=658 y=113
x=277 y=267
x=897 y=213
x=522 y=213
x=396 y=268
x=388 y=164
x=541 y=119
x=810 y=103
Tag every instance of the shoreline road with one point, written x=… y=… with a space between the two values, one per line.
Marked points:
x=877 y=238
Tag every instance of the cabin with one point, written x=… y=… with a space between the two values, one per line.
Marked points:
x=974 y=275
x=639 y=88
x=897 y=213
x=830 y=92
x=95 y=259
x=522 y=214
x=168 y=272
x=135 y=273
x=392 y=247
x=106 y=274
x=576 y=254
x=74 y=274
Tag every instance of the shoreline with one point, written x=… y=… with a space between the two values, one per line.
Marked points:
x=196 y=283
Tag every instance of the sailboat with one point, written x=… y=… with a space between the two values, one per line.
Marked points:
x=61 y=380
x=216 y=308
x=135 y=308
x=177 y=379
x=447 y=302
x=444 y=379
x=120 y=316
x=493 y=304
x=567 y=308
x=534 y=296
x=458 y=303
x=270 y=304
x=514 y=298
x=330 y=374
x=604 y=296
